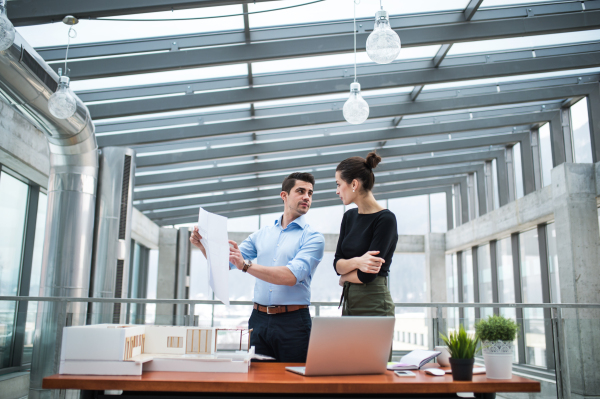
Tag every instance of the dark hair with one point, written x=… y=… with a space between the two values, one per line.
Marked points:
x=360 y=169
x=290 y=181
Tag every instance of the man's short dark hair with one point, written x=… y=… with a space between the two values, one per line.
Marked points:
x=290 y=181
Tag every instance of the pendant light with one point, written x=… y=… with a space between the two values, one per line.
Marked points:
x=7 y=30
x=356 y=109
x=63 y=103
x=383 y=44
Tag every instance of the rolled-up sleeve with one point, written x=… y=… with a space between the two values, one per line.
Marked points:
x=308 y=257
x=247 y=248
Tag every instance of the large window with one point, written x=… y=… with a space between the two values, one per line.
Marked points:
x=518 y=170
x=580 y=124
x=553 y=263
x=467 y=288
x=506 y=280
x=484 y=269
x=412 y=214
x=13 y=210
x=452 y=290
x=546 y=155
x=531 y=283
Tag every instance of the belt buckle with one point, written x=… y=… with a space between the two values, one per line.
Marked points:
x=269 y=307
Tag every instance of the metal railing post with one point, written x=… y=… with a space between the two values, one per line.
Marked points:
x=563 y=382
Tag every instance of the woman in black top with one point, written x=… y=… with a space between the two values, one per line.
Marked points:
x=368 y=237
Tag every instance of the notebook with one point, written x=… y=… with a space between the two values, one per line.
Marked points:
x=413 y=360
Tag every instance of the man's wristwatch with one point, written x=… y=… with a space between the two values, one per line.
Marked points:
x=247 y=264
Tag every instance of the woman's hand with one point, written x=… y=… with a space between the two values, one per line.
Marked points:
x=368 y=263
x=235 y=255
x=195 y=240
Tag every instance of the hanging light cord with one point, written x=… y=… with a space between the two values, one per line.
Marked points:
x=216 y=16
x=72 y=34
x=355 y=3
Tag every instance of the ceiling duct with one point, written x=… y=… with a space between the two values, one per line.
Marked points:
x=27 y=82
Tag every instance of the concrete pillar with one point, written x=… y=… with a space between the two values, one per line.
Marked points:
x=578 y=248
x=435 y=275
x=166 y=275
x=182 y=273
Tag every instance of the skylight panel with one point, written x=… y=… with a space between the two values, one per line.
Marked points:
x=500 y=3
x=332 y=10
x=528 y=42
x=332 y=60
x=141 y=79
x=92 y=31
x=466 y=83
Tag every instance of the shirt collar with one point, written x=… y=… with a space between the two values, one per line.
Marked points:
x=301 y=221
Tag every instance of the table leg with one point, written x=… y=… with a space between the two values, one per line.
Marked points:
x=491 y=395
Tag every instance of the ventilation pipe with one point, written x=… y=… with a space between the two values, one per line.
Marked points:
x=112 y=238
x=26 y=82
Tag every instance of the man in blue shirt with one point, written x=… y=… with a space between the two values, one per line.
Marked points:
x=287 y=254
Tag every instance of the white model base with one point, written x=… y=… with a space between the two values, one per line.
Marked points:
x=220 y=362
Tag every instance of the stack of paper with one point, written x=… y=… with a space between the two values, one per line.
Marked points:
x=213 y=230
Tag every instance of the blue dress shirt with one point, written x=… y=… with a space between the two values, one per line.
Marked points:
x=298 y=247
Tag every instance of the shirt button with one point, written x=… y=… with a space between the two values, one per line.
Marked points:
x=274 y=259
x=270 y=290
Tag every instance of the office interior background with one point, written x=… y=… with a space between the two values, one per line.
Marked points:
x=488 y=124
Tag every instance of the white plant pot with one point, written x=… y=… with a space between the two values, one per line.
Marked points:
x=498 y=358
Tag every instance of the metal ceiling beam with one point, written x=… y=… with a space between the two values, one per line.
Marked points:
x=471 y=9
x=34 y=12
x=273 y=50
x=316 y=118
x=302 y=164
x=324 y=197
x=408 y=73
x=437 y=60
x=329 y=178
x=408 y=193
x=212 y=186
x=400 y=23
x=308 y=142
x=524 y=86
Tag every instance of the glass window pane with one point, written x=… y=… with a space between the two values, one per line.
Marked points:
x=485 y=279
x=13 y=209
x=531 y=280
x=506 y=284
x=495 y=182
x=152 y=281
x=437 y=204
x=452 y=290
x=546 y=154
x=36 y=269
x=553 y=263
x=244 y=224
x=468 y=292
x=580 y=124
x=518 y=168
x=326 y=220
x=325 y=286
x=412 y=214
x=407 y=284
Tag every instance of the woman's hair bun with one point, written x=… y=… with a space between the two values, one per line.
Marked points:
x=373 y=160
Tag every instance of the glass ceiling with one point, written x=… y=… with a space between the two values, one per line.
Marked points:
x=269 y=106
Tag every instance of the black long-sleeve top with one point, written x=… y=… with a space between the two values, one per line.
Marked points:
x=360 y=233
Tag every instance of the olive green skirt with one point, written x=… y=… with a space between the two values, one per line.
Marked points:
x=371 y=299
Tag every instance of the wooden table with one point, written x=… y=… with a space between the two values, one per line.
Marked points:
x=272 y=379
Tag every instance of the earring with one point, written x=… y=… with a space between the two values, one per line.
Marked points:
x=352 y=190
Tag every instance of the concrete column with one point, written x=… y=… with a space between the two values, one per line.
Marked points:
x=166 y=276
x=435 y=274
x=578 y=248
x=489 y=186
x=182 y=272
x=510 y=174
x=537 y=165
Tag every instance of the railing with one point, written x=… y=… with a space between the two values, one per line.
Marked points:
x=555 y=322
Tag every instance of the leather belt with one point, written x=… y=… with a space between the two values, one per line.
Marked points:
x=278 y=309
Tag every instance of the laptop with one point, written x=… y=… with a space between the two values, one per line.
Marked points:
x=348 y=345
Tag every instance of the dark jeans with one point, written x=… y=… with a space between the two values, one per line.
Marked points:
x=283 y=336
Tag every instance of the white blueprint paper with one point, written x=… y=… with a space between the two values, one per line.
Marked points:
x=213 y=229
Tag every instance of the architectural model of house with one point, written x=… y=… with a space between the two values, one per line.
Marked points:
x=110 y=349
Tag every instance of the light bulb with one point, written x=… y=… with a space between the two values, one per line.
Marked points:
x=383 y=44
x=356 y=109
x=62 y=104
x=7 y=30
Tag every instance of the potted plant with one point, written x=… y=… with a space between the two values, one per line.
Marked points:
x=462 y=347
x=497 y=335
